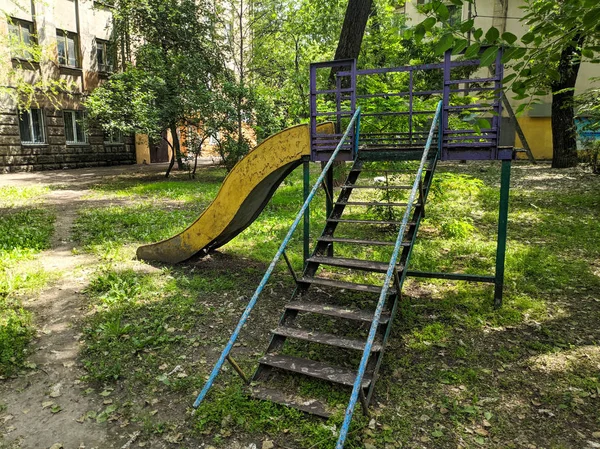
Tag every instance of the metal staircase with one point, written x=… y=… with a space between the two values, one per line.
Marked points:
x=359 y=334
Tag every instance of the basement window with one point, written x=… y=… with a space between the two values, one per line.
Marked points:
x=74 y=130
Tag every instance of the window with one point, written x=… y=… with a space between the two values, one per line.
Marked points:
x=31 y=126
x=113 y=137
x=66 y=43
x=455 y=14
x=21 y=38
x=104 y=56
x=74 y=130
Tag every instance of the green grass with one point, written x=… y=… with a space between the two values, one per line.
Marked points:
x=453 y=360
x=23 y=233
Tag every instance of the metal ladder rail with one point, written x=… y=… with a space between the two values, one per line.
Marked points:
x=299 y=217
x=386 y=285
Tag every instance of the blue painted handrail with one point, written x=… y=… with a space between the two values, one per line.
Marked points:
x=386 y=286
x=265 y=279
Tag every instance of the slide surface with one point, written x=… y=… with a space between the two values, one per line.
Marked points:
x=242 y=197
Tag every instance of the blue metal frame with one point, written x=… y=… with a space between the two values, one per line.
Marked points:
x=386 y=285
x=217 y=368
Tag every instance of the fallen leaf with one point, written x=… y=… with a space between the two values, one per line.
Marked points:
x=482 y=432
x=55 y=390
x=268 y=444
x=47 y=404
x=105 y=393
x=56 y=408
x=56 y=446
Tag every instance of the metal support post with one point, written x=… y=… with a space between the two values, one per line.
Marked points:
x=502 y=228
x=306 y=191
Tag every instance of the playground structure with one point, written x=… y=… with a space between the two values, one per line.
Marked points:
x=419 y=117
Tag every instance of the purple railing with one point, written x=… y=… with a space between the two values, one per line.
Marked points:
x=398 y=105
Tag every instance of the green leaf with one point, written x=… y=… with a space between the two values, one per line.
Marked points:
x=509 y=37
x=483 y=123
x=445 y=43
x=457 y=2
x=442 y=12
x=429 y=23
x=509 y=78
x=472 y=51
x=477 y=33
x=419 y=33
x=488 y=57
x=459 y=45
x=528 y=38
x=591 y=18
x=466 y=26
x=492 y=35
x=587 y=53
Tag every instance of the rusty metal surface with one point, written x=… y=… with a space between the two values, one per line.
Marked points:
x=243 y=195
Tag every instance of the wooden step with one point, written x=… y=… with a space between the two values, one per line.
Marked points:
x=373 y=204
x=370 y=222
x=324 y=338
x=337 y=311
x=375 y=186
x=366 y=288
x=329 y=239
x=383 y=171
x=312 y=406
x=311 y=368
x=359 y=264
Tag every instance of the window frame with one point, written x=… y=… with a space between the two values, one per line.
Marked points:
x=74 y=113
x=108 y=65
x=65 y=35
x=16 y=23
x=42 y=117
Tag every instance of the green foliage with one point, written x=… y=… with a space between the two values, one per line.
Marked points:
x=23 y=233
x=178 y=69
x=534 y=61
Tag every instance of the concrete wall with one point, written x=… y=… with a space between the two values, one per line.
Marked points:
x=55 y=153
x=94 y=22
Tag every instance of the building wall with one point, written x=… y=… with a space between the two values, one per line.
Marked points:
x=48 y=16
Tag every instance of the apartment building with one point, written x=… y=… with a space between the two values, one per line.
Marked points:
x=73 y=39
x=505 y=15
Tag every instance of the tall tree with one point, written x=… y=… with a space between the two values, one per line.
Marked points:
x=178 y=68
x=562 y=34
x=353 y=29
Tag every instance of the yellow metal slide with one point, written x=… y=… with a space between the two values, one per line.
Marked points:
x=242 y=197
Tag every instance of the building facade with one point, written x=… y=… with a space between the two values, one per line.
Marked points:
x=64 y=46
x=505 y=15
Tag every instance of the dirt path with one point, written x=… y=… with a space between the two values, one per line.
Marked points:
x=47 y=406
x=43 y=407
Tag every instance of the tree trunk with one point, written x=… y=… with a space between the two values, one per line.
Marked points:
x=176 y=146
x=564 y=132
x=353 y=29
x=351 y=36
